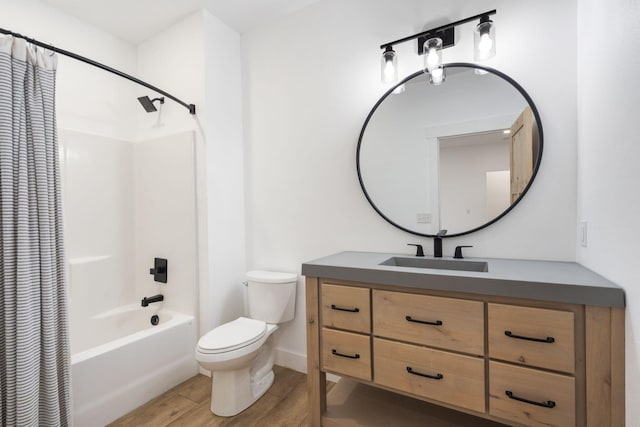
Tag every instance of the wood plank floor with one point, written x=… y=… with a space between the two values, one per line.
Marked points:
x=286 y=405
x=187 y=404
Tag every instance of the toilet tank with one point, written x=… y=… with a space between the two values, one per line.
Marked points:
x=271 y=295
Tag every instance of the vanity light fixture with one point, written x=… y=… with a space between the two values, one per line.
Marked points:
x=389 y=66
x=484 y=38
x=433 y=60
x=431 y=43
x=433 y=55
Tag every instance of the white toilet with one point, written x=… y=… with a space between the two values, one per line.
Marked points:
x=238 y=353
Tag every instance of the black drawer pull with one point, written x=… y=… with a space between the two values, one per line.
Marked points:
x=548 y=404
x=424 y=322
x=350 y=310
x=548 y=340
x=348 y=356
x=433 y=377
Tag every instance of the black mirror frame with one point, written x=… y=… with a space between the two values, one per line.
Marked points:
x=536 y=166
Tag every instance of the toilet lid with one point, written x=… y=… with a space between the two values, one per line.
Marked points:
x=232 y=336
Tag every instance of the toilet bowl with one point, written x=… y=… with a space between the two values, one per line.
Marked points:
x=239 y=353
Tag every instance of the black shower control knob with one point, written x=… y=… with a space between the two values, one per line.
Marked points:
x=159 y=270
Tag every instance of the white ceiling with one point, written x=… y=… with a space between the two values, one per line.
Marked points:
x=137 y=20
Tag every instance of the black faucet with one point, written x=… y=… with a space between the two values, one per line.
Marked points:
x=419 y=250
x=148 y=300
x=458 y=252
x=437 y=244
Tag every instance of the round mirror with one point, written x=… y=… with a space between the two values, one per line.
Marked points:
x=457 y=156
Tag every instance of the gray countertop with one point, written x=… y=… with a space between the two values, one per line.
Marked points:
x=539 y=280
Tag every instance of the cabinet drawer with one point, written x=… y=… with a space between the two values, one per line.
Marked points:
x=434 y=374
x=346 y=353
x=546 y=399
x=346 y=307
x=447 y=323
x=532 y=336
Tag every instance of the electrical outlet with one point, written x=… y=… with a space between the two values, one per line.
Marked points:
x=583 y=234
x=423 y=218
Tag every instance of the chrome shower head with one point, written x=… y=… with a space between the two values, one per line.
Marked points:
x=148 y=103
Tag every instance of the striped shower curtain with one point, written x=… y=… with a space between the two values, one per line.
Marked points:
x=34 y=338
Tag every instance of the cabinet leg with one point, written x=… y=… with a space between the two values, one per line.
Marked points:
x=316 y=379
x=605 y=366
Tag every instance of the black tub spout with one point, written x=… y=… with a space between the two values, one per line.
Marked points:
x=148 y=300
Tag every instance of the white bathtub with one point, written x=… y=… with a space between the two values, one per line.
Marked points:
x=120 y=361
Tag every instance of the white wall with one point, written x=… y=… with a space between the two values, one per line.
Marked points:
x=104 y=115
x=225 y=174
x=93 y=101
x=311 y=79
x=608 y=153
x=173 y=60
x=198 y=60
x=463 y=170
x=87 y=99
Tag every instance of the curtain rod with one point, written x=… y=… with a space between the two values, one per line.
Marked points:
x=190 y=107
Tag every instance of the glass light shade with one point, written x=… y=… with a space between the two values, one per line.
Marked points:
x=436 y=76
x=432 y=54
x=389 y=66
x=484 y=38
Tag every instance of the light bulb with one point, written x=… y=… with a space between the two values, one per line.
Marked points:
x=389 y=69
x=436 y=76
x=484 y=39
x=433 y=54
x=432 y=59
x=485 y=44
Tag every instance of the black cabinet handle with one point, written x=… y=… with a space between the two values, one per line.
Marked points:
x=433 y=377
x=348 y=356
x=350 y=310
x=423 y=322
x=548 y=404
x=548 y=340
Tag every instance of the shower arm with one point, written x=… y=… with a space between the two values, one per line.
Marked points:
x=190 y=107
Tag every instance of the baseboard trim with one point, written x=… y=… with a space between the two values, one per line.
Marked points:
x=297 y=362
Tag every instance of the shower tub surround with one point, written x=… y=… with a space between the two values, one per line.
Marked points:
x=134 y=363
x=126 y=203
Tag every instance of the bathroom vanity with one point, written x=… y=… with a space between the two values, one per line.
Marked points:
x=513 y=341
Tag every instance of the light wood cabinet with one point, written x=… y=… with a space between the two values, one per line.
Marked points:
x=447 y=323
x=530 y=396
x=543 y=340
x=345 y=307
x=346 y=353
x=515 y=361
x=438 y=375
x=532 y=336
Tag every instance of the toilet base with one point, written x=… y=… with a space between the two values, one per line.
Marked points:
x=234 y=391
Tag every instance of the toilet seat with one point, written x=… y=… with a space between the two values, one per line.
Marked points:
x=231 y=336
